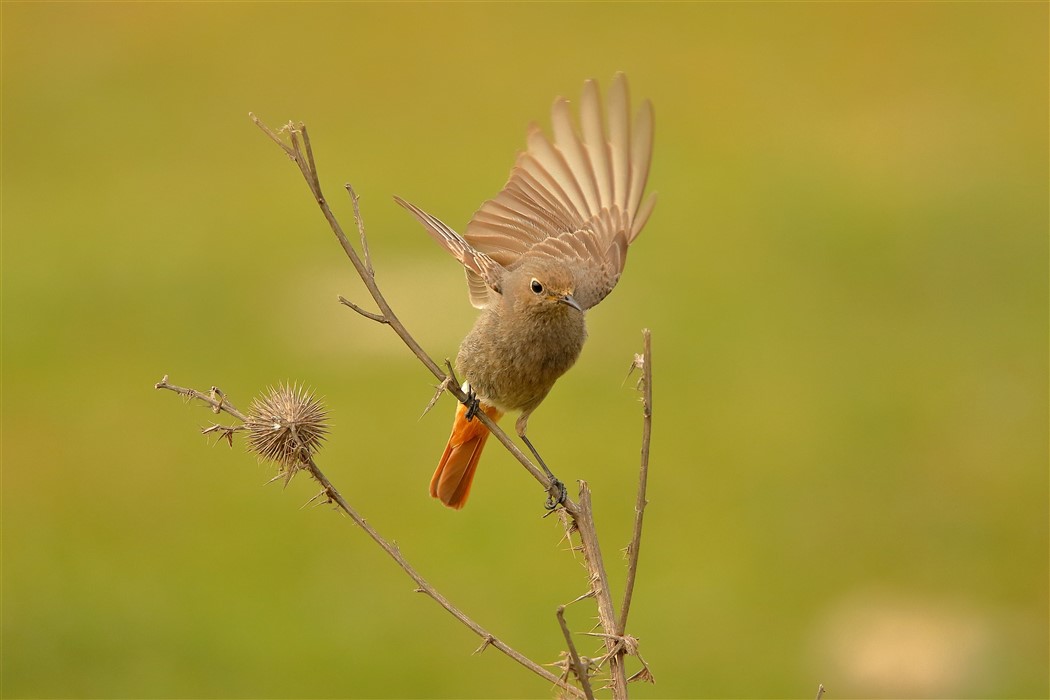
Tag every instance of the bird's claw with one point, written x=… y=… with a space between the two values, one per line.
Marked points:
x=556 y=495
x=472 y=403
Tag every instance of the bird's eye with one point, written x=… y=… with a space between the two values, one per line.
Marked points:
x=536 y=286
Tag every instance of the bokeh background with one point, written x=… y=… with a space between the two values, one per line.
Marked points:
x=846 y=279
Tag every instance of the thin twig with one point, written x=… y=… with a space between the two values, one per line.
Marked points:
x=820 y=691
x=354 y=198
x=221 y=405
x=367 y=314
x=362 y=269
x=574 y=658
x=315 y=182
x=273 y=136
x=643 y=476
x=225 y=431
x=438 y=391
x=332 y=494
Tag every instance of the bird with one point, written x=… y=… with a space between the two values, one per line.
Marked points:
x=548 y=247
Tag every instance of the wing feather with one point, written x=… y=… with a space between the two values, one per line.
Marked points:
x=642 y=216
x=576 y=157
x=475 y=261
x=596 y=142
x=619 y=141
x=641 y=156
x=547 y=157
x=577 y=196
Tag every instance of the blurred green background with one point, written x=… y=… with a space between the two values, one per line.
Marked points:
x=846 y=279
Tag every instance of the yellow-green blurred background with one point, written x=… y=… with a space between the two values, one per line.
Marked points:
x=846 y=279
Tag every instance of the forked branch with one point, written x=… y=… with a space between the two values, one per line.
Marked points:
x=301 y=154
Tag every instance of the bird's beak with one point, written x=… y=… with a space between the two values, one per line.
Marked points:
x=569 y=301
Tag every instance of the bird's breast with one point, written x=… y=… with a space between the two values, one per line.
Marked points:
x=512 y=361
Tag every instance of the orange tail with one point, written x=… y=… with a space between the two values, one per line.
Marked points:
x=455 y=472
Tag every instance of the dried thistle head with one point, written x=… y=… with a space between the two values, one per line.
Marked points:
x=286 y=425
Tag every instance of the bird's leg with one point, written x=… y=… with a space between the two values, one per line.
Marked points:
x=556 y=492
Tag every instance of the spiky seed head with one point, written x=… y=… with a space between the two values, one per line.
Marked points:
x=286 y=425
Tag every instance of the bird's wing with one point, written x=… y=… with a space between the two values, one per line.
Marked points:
x=578 y=197
x=479 y=266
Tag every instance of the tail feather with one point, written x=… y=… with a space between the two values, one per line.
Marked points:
x=455 y=472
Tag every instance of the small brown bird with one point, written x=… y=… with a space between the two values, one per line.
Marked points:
x=549 y=246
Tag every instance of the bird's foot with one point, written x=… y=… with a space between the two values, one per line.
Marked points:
x=472 y=403
x=556 y=494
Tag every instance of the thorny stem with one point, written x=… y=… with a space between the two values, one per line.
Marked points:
x=599 y=581
x=332 y=495
x=643 y=475
x=578 y=666
x=220 y=405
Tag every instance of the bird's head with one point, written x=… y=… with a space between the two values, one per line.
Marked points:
x=544 y=286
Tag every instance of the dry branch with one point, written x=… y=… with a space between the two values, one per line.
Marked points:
x=581 y=519
x=645 y=362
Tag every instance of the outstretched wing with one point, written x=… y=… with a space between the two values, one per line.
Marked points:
x=483 y=268
x=578 y=198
